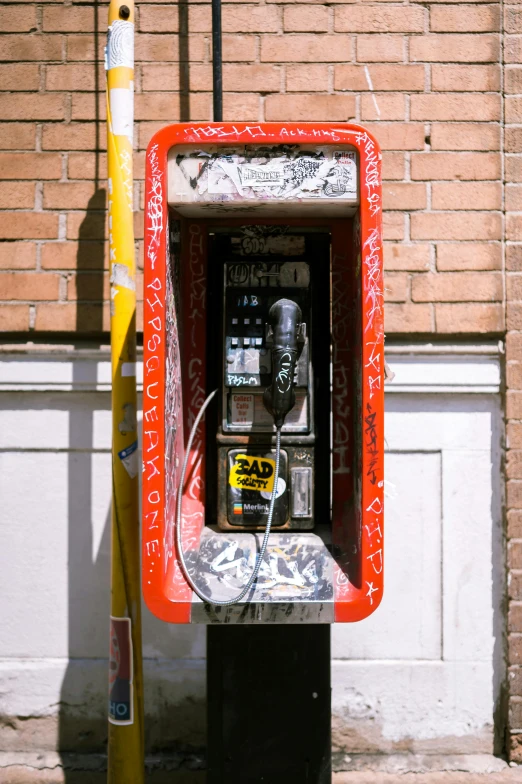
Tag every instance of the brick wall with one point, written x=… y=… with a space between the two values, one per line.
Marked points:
x=426 y=78
x=513 y=235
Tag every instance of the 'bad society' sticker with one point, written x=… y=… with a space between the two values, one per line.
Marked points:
x=251 y=472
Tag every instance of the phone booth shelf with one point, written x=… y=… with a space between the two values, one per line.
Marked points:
x=318 y=185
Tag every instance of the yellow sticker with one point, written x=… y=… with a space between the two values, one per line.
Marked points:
x=251 y=472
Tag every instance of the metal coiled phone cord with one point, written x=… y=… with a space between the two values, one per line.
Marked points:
x=261 y=554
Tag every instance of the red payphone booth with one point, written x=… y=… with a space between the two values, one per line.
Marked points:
x=263 y=374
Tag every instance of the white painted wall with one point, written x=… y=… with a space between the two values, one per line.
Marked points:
x=422 y=674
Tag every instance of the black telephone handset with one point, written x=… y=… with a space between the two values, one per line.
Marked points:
x=285 y=328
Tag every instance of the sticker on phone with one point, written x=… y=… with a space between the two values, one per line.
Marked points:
x=251 y=472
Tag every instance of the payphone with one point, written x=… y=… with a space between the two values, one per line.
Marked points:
x=263 y=385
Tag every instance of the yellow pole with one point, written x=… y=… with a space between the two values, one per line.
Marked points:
x=126 y=744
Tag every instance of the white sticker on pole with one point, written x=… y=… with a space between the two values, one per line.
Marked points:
x=120 y=45
x=122 y=111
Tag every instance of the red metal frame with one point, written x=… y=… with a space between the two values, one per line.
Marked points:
x=357 y=499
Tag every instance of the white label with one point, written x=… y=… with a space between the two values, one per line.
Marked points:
x=242 y=409
x=122 y=110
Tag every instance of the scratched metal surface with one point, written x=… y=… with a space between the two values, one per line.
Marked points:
x=295 y=583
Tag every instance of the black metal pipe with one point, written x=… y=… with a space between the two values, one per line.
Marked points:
x=217 y=61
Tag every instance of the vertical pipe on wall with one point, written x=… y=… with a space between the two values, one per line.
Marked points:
x=217 y=61
x=126 y=740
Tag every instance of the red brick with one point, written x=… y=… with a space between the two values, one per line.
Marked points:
x=515 y=625
x=515 y=586
x=465 y=18
x=514 y=441
x=455 y=48
x=74 y=77
x=512 y=109
x=307 y=78
x=251 y=19
x=14 y=318
x=239 y=48
x=383 y=106
x=68 y=19
x=415 y=258
x=514 y=352
x=513 y=198
x=17 y=255
x=29 y=285
x=30 y=166
x=16 y=195
x=309 y=107
x=74 y=136
x=70 y=317
x=466 y=195
x=465 y=78
x=162 y=18
x=514 y=519
x=513 y=168
x=453 y=106
x=18 y=18
x=513 y=80
x=91 y=226
x=514 y=459
x=166 y=106
x=158 y=48
x=512 y=19
x=404 y=196
x=73 y=196
x=393 y=225
x=455 y=166
x=381 y=77
x=514 y=258
x=31 y=106
x=457 y=287
x=306 y=48
x=244 y=105
x=82 y=47
x=30 y=225
x=19 y=76
x=512 y=48
x=381 y=48
x=17 y=136
x=88 y=286
x=31 y=47
x=146 y=131
x=514 y=316
x=396 y=287
x=398 y=136
x=251 y=78
x=393 y=165
x=378 y=19
x=465 y=136
x=74 y=255
x=303 y=19
x=461 y=226
x=85 y=166
x=514 y=657
x=514 y=227
x=166 y=78
x=469 y=318
x=408 y=318
x=469 y=256
x=85 y=106
x=514 y=501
